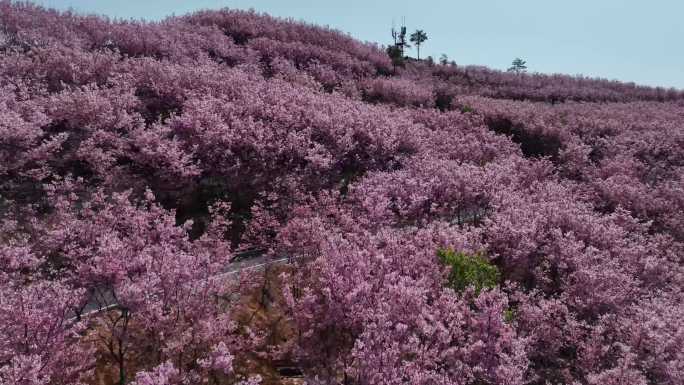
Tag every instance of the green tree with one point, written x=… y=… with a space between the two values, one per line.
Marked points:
x=469 y=270
x=395 y=53
x=518 y=66
x=444 y=59
x=418 y=38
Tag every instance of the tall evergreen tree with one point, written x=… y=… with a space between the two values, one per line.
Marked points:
x=418 y=38
x=518 y=65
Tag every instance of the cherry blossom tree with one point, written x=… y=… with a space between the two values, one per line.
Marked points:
x=137 y=158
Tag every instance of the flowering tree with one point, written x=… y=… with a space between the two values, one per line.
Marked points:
x=39 y=344
x=137 y=158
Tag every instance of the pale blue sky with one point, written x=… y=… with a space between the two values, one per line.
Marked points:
x=630 y=40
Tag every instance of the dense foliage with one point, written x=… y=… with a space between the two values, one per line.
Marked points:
x=469 y=271
x=449 y=225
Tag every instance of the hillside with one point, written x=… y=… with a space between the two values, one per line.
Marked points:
x=445 y=224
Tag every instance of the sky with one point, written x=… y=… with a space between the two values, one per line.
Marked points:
x=629 y=40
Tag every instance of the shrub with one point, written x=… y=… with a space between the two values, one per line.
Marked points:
x=469 y=270
x=402 y=92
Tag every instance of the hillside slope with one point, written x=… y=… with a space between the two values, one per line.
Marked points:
x=137 y=158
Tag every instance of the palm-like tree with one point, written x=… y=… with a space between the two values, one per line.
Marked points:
x=418 y=38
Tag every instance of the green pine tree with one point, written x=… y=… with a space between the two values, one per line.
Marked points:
x=518 y=66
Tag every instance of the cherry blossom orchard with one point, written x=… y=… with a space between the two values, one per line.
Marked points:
x=443 y=224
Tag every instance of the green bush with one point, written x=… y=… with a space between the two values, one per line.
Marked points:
x=469 y=270
x=509 y=315
x=466 y=108
x=397 y=55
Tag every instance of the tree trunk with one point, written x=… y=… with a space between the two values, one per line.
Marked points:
x=122 y=371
